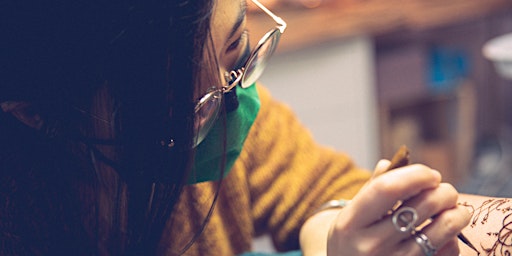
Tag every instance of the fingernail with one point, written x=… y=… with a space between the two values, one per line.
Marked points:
x=437 y=174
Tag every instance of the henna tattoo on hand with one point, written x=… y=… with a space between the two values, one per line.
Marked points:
x=503 y=236
x=481 y=214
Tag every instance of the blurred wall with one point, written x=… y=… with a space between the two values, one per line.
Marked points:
x=331 y=89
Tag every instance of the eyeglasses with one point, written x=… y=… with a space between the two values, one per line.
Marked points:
x=208 y=107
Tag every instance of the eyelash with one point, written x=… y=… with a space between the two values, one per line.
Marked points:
x=236 y=43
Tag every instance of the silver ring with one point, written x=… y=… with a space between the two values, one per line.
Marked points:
x=404 y=219
x=425 y=244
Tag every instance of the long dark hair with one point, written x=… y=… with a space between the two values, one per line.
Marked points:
x=113 y=82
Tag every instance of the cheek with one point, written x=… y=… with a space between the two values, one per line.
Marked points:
x=209 y=77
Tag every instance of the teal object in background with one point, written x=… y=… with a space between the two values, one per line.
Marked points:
x=447 y=67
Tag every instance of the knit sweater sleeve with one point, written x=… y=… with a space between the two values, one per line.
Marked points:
x=289 y=175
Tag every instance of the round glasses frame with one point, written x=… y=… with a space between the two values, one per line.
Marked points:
x=208 y=107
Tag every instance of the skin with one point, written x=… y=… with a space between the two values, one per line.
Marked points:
x=490 y=224
x=485 y=221
x=364 y=227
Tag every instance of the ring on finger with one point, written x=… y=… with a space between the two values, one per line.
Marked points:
x=404 y=219
x=425 y=244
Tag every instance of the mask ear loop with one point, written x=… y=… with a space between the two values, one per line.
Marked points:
x=205 y=221
x=216 y=196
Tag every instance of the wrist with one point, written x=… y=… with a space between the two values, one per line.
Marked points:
x=314 y=232
x=332 y=204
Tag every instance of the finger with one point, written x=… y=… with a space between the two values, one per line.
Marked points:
x=432 y=202
x=450 y=248
x=380 y=194
x=427 y=204
x=447 y=225
x=380 y=168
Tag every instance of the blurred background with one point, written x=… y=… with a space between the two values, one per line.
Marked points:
x=366 y=76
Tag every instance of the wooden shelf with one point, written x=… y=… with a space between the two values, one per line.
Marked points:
x=337 y=20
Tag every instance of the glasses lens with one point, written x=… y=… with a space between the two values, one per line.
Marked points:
x=258 y=61
x=206 y=114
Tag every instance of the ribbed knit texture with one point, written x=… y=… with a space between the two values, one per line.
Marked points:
x=280 y=178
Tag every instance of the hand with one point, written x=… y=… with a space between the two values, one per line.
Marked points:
x=365 y=226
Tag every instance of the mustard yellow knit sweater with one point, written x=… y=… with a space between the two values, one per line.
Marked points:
x=281 y=176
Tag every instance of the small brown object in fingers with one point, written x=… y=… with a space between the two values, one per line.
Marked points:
x=400 y=159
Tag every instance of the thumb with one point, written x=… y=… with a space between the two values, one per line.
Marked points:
x=381 y=167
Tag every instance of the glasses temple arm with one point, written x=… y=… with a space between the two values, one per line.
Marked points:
x=281 y=22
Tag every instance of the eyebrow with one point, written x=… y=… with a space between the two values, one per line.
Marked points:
x=240 y=19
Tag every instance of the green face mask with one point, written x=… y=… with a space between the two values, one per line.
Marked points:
x=209 y=156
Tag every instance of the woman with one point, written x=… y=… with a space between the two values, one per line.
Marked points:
x=121 y=123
